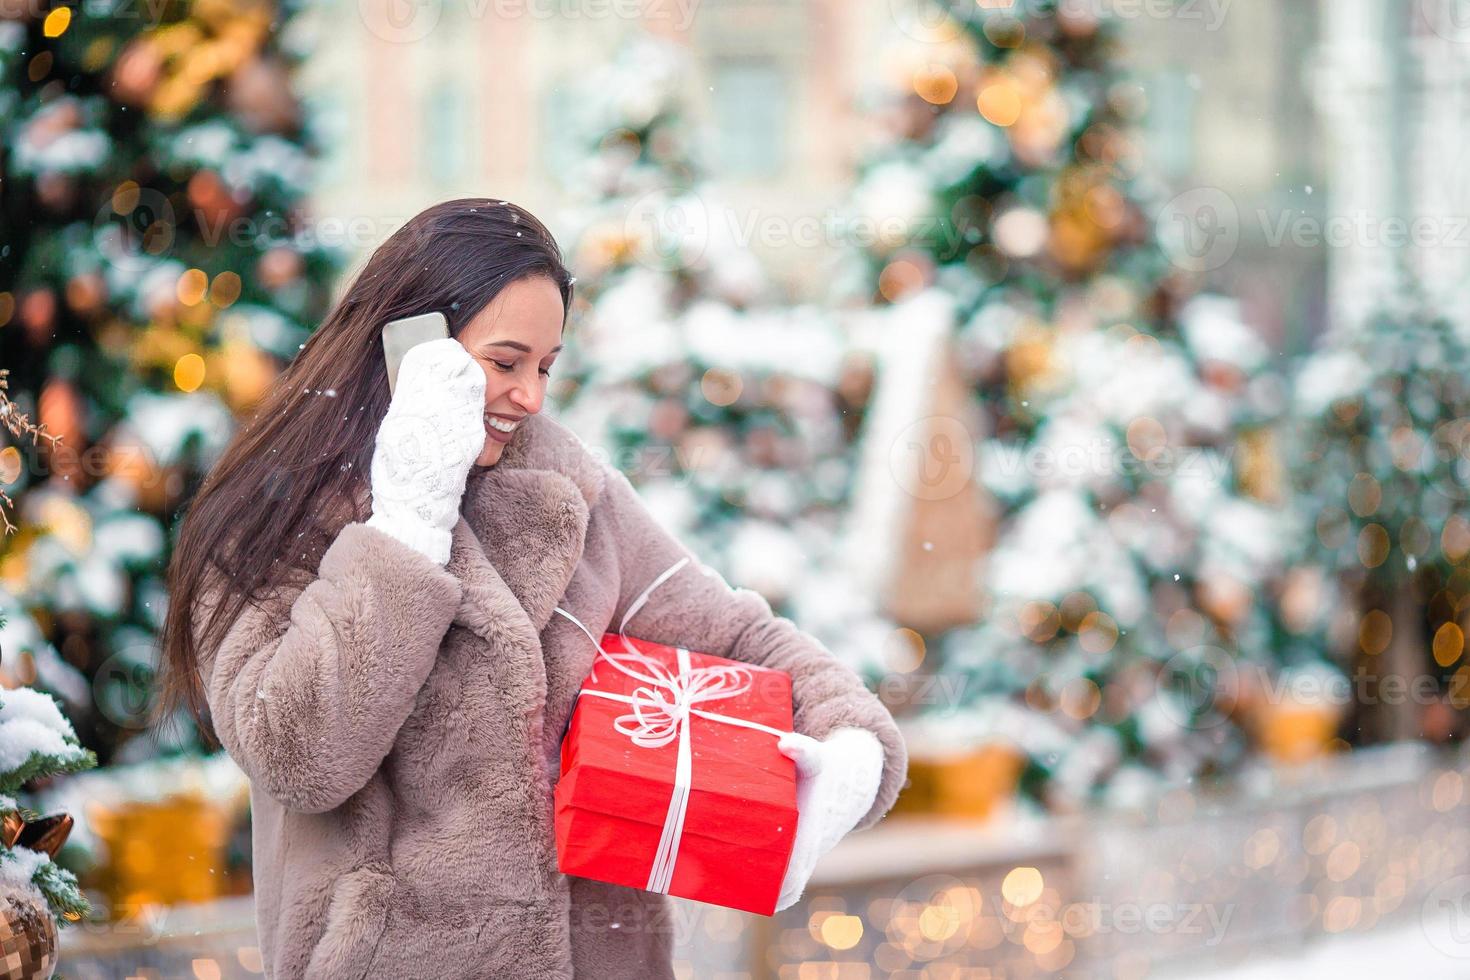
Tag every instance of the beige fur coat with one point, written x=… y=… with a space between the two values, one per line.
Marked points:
x=400 y=725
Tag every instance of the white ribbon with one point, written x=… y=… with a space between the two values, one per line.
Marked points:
x=661 y=710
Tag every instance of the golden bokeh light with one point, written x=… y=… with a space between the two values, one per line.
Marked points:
x=842 y=931
x=1373 y=545
x=56 y=22
x=1375 y=631
x=191 y=286
x=1021 y=886
x=1449 y=644
x=999 y=100
x=936 y=84
x=189 y=372
x=225 y=289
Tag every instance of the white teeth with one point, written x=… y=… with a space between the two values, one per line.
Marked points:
x=500 y=425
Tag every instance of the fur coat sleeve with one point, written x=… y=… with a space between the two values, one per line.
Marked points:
x=696 y=608
x=309 y=688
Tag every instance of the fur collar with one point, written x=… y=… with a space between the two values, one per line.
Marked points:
x=523 y=524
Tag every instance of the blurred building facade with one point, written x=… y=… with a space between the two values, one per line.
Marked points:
x=1320 y=127
x=463 y=98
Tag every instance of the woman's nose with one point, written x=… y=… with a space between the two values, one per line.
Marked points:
x=527 y=398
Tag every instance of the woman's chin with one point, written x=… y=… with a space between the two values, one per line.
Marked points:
x=490 y=454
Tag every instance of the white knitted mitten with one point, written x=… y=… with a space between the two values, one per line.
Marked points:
x=432 y=434
x=837 y=780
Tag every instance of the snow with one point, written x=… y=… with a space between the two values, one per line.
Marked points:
x=1329 y=376
x=941 y=733
x=800 y=341
x=128 y=538
x=964 y=142
x=266 y=159
x=101 y=585
x=65 y=151
x=266 y=328
x=1405 y=949
x=1215 y=330
x=162 y=423
x=765 y=557
x=31 y=723
x=1056 y=545
x=1118 y=381
x=18 y=865
x=891 y=200
x=20 y=634
x=209 y=144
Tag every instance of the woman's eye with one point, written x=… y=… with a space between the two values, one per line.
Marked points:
x=510 y=366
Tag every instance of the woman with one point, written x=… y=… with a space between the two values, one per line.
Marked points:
x=362 y=597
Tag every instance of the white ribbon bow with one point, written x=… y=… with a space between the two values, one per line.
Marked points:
x=661 y=711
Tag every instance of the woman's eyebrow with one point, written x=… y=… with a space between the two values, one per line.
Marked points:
x=519 y=346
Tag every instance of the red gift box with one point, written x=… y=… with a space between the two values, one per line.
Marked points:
x=722 y=831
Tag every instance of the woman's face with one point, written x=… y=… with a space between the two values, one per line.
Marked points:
x=515 y=339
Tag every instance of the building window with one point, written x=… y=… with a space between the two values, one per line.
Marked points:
x=749 y=103
x=1172 y=102
x=444 y=128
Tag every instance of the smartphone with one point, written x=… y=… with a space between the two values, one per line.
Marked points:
x=400 y=335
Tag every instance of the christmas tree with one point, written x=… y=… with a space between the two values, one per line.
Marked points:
x=36 y=742
x=1126 y=429
x=732 y=413
x=156 y=270
x=1384 y=445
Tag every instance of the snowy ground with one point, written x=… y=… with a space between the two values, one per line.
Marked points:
x=1402 y=950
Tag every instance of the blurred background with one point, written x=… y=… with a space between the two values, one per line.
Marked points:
x=1090 y=375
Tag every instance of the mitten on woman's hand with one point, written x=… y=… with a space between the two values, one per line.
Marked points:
x=431 y=435
x=837 y=780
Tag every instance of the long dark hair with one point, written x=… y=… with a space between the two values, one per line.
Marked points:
x=293 y=474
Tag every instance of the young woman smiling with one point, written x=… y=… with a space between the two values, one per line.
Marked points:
x=362 y=599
